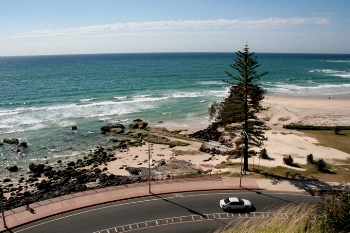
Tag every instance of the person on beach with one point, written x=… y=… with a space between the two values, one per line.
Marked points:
x=26 y=203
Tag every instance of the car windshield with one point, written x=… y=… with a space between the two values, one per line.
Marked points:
x=226 y=201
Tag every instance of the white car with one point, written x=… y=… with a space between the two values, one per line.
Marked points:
x=235 y=203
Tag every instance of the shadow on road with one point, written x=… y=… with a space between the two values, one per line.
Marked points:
x=190 y=210
x=244 y=211
x=260 y=193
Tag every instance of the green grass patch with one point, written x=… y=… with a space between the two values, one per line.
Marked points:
x=227 y=165
x=339 y=173
x=202 y=175
x=329 y=139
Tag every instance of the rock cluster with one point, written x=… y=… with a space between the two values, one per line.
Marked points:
x=49 y=181
x=210 y=133
x=46 y=182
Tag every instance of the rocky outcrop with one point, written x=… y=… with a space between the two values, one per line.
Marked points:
x=117 y=129
x=13 y=141
x=210 y=133
x=138 y=124
x=13 y=168
x=23 y=145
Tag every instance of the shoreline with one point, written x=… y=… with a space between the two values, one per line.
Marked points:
x=167 y=160
x=282 y=110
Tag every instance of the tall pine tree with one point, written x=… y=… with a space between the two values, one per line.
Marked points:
x=243 y=102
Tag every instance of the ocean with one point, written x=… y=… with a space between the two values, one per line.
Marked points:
x=43 y=96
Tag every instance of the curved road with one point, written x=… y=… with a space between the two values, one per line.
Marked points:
x=180 y=212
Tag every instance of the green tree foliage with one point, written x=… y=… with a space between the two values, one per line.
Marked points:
x=334 y=212
x=321 y=165
x=288 y=160
x=263 y=154
x=244 y=101
x=310 y=158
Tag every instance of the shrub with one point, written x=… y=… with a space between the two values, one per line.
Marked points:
x=310 y=158
x=263 y=154
x=320 y=165
x=334 y=212
x=288 y=160
x=337 y=130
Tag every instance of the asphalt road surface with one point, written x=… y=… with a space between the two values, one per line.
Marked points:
x=179 y=212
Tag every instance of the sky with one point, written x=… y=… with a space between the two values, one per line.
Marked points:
x=48 y=27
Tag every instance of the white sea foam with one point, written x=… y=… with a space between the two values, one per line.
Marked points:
x=344 y=75
x=211 y=83
x=9 y=112
x=220 y=93
x=148 y=98
x=64 y=115
x=187 y=94
x=323 y=89
x=104 y=119
x=340 y=73
x=66 y=123
x=338 y=61
x=86 y=100
x=120 y=97
x=327 y=71
x=120 y=121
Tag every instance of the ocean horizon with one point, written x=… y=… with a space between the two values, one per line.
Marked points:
x=43 y=96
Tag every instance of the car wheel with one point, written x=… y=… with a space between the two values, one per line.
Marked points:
x=228 y=208
x=246 y=208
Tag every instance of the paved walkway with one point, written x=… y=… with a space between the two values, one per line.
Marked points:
x=19 y=216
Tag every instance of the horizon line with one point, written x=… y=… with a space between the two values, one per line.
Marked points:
x=79 y=54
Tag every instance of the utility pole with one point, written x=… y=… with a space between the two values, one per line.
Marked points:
x=149 y=164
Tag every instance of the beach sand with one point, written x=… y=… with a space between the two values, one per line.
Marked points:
x=282 y=110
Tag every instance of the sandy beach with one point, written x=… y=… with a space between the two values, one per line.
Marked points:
x=282 y=110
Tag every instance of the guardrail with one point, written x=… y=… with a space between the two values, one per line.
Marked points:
x=189 y=218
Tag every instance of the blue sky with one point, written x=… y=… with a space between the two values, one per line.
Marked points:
x=41 y=27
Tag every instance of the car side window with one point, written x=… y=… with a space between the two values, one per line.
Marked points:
x=234 y=203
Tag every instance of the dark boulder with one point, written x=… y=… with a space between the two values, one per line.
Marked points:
x=161 y=162
x=138 y=125
x=71 y=164
x=47 y=168
x=13 y=141
x=117 y=128
x=23 y=145
x=36 y=168
x=43 y=185
x=137 y=120
x=210 y=133
x=204 y=149
x=133 y=170
x=13 y=168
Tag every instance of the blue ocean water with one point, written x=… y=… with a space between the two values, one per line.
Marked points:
x=43 y=96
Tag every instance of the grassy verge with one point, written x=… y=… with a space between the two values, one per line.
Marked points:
x=290 y=218
x=329 y=139
x=339 y=173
